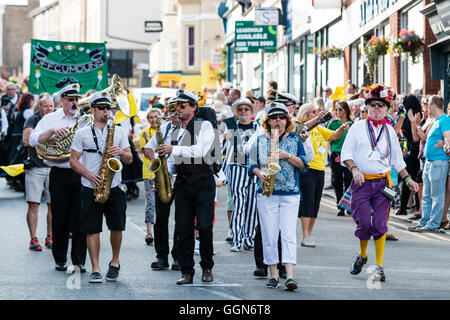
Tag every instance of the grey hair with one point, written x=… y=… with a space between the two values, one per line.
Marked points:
x=302 y=114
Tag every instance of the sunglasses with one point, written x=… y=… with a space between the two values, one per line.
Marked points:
x=181 y=105
x=377 y=104
x=363 y=111
x=339 y=109
x=103 y=107
x=72 y=99
x=172 y=108
x=243 y=110
x=281 y=117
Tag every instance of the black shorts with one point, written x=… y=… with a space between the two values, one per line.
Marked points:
x=311 y=187
x=114 y=210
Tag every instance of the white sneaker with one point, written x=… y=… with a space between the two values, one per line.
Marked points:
x=307 y=242
x=197 y=247
x=235 y=249
x=229 y=237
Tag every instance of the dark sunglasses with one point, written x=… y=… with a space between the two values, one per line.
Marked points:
x=339 y=109
x=281 y=117
x=72 y=99
x=103 y=107
x=244 y=110
x=181 y=105
x=362 y=111
x=172 y=108
x=377 y=104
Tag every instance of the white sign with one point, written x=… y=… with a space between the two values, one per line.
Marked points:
x=266 y=16
x=326 y=4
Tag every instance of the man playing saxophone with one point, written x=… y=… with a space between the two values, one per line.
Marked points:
x=278 y=202
x=64 y=183
x=89 y=143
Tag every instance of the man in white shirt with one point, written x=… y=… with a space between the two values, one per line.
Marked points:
x=195 y=186
x=90 y=142
x=162 y=209
x=370 y=150
x=65 y=184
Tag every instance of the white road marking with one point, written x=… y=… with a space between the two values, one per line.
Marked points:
x=136 y=226
x=221 y=294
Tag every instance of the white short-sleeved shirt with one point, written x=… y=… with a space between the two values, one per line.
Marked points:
x=54 y=120
x=153 y=144
x=84 y=140
x=357 y=147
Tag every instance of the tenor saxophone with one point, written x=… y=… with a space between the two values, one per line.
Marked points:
x=272 y=166
x=158 y=166
x=109 y=166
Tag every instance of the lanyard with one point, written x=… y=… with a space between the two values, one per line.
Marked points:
x=96 y=140
x=374 y=141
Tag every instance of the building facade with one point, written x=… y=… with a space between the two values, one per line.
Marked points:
x=192 y=33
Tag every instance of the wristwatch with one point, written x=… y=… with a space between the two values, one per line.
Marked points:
x=289 y=156
x=419 y=127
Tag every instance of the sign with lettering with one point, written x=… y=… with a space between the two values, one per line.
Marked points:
x=251 y=38
x=266 y=16
x=55 y=64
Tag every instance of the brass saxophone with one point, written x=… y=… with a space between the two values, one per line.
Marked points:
x=108 y=168
x=158 y=166
x=272 y=166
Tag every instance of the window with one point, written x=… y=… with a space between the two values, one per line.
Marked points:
x=191 y=47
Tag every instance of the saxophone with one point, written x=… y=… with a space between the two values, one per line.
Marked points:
x=108 y=168
x=272 y=166
x=158 y=166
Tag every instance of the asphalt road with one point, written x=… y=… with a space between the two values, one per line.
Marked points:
x=416 y=266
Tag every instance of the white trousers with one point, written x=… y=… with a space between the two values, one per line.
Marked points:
x=278 y=213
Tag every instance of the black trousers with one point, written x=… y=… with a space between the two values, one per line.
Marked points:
x=161 y=229
x=341 y=178
x=65 y=191
x=195 y=200
x=258 y=250
x=413 y=167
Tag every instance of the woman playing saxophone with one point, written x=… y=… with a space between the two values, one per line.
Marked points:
x=278 y=211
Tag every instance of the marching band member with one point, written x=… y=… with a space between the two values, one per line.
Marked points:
x=278 y=212
x=370 y=150
x=89 y=142
x=195 y=187
x=243 y=188
x=65 y=184
x=162 y=210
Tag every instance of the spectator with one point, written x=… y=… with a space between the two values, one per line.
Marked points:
x=148 y=176
x=37 y=177
x=260 y=105
x=311 y=184
x=356 y=108
x=271 y=95
x=273 y=86
x=172 y=84
x=435 y=170
x=235 y=95
x=341 y=178
x=226 y=90
x=319 y=104
x=327 y=98
x=183 y=86
x=363 y=110
x=249 y=95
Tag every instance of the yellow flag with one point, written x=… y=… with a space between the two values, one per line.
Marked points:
x=339 y=94
x=13 y=170
x=120 y=117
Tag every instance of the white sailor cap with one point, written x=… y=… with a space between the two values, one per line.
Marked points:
x=274 y=108
x=228 y=86
x=186 y=96
x=99 y=98
x=71 y=90
x=286 y=97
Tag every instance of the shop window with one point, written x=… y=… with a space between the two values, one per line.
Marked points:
x=191 y=46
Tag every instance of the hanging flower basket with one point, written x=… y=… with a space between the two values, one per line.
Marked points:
x=373 y=50
x=331 y=52
x=408 y=44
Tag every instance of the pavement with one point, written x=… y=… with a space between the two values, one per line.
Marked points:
x=416 y=266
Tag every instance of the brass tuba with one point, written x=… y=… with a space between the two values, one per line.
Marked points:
x=58 y=149
x=158 y=166
x=272 y=166
x=108 y=168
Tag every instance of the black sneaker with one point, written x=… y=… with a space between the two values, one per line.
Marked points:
x=176 y=266
x=160 y=264
x=260 y=272
x=379 y=274
x=95 y=277
x=358 y=264
x=61 y=266
x=273 y=283
x=340 y=213
x=113 y=273
x=290 y=285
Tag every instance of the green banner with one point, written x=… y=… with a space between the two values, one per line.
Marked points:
x=251 y=38
x=55 y=64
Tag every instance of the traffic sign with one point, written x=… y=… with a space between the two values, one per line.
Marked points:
x=250 y=38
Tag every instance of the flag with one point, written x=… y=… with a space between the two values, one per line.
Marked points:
x=339 y=94
x=54 y=64
x=13 y=170
x=120 y=116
